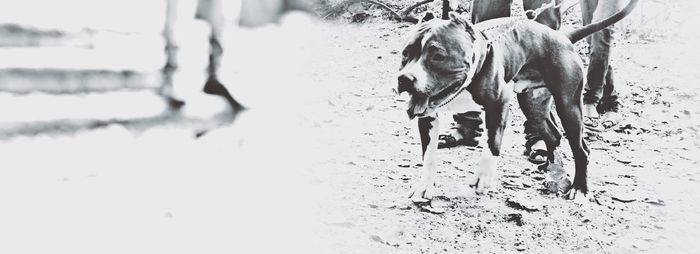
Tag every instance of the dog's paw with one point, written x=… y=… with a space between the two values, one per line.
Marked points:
x=487 y=173
x=421 y=192
x=577 y=189
x=482 y=182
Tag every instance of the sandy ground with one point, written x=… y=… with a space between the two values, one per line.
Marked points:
x=341 y=163
x=642 y=173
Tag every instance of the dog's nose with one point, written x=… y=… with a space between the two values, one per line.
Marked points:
x=406 y=82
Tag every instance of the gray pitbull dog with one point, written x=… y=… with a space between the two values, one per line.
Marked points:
x=454 y=65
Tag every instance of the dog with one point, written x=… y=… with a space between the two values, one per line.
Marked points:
x=454 y=65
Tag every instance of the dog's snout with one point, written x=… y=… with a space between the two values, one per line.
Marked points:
x=406 y=83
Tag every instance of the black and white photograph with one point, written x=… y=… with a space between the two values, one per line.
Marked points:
x=349 y=126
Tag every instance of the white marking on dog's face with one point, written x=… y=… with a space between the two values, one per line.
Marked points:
x=424 y=41
x=416 y=70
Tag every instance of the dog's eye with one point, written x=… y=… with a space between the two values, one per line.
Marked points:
x=438 y=57
x=405 y=53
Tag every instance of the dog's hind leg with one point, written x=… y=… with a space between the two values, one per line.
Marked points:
x=496 y=121
x=428 y=129
x=571 y=116
x=564 y=79
x=570 y=112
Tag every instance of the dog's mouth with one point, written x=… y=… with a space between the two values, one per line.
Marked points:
x=418 y=106
x=421 y=105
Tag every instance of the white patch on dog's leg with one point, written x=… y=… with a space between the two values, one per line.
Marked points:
x=422 y=189
x=486 y=172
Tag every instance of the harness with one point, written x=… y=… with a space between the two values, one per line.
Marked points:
x=482 y=40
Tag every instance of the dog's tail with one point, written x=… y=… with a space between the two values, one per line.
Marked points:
x=578 y=34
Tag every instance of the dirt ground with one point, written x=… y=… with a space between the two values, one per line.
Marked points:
x=643 y=173
x=162 y=186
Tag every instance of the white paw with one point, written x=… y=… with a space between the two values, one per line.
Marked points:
x=486 y=175
x=482 y=182
x=421 y=192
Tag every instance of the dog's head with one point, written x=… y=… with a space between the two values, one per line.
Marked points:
x=436 y=62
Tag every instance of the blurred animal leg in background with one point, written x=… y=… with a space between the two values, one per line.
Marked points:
x=170 y=55
x=195 y=43
x=218 y=14
x=186 y=49
x=193 y=48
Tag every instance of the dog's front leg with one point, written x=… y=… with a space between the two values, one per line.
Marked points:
x=428 y=129
x=496 y=121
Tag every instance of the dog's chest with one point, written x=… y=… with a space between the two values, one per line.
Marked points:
x=462 y=103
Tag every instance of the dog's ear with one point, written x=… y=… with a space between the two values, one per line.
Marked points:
x=428 y=16
x=456 y=18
